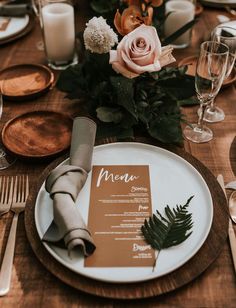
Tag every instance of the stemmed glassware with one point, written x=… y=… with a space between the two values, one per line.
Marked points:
x=210 y=73
x=227 y=36
x=6 y=160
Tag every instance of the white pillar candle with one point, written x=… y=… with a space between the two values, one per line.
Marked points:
x=182 y=12
x=59 y=31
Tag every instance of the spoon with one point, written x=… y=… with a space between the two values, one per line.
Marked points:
x=229 y=10
x=232 y=206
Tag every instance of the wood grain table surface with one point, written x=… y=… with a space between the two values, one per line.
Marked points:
x=32 y=285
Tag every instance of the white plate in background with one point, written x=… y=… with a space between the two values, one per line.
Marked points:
x=15 y=25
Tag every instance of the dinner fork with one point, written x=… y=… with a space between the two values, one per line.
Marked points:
x=20 y=194
x=6 y=190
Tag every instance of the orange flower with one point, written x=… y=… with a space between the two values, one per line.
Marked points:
x=131 y=18
x=154 y=3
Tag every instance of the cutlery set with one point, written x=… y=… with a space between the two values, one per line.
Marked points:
x=14 y=191
x=232 y=237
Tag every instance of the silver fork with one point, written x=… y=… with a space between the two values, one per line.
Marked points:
x=6 y=189
x=20 y=194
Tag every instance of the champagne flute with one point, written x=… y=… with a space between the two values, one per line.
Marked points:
x=227 y=36
x=6 y=160
x=210 y=73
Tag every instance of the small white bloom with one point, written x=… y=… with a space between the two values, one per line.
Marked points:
x=99 y=36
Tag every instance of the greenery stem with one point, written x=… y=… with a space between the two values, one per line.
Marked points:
x=155 y=261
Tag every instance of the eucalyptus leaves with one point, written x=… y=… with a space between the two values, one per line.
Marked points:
x=163 y=232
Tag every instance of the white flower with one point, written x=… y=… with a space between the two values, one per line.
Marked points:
x=99 y=36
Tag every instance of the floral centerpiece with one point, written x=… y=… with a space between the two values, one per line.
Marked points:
x=123 y=78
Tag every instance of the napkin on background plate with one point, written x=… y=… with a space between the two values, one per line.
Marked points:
x=15 y=8
x=64 y=184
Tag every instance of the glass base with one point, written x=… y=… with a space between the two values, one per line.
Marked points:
x=214 y=114
x=62 y=65
x=197 y=135
x=180 y=46
x=6 y=159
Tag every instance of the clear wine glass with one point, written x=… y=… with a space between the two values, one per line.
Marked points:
x=227 y=36
x=6 y=160
x=210 y=73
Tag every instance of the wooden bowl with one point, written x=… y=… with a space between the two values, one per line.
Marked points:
x=39 y=134
x=191 y=62
x=25 y=81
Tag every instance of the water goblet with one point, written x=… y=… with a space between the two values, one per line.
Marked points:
x=6 y=160
x=210 y=73
x=227 y=36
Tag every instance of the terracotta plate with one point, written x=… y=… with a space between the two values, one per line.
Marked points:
x=25 y=81
x=191 y=63
x=38 y=134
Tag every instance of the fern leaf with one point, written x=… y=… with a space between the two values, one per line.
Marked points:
x=163 y=232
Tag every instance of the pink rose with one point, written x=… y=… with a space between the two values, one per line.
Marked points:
x=140 y=51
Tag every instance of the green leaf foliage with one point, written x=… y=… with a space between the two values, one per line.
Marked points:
x=173 y=229
x=150 y=102
x=104 y=6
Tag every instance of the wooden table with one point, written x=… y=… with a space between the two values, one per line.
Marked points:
x=32 y=285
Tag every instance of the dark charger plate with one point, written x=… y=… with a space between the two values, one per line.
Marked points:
x=38 y=134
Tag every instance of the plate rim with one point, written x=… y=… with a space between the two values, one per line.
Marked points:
x=191 y=255
x=6 y=125
x=219 y=4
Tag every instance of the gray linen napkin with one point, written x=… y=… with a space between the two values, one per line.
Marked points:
x=15 y=8
x=64 y=184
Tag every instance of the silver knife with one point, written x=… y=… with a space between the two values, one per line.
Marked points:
x=232 y=238
x=231 y=185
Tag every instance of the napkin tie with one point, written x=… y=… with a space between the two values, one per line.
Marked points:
x=64 y=185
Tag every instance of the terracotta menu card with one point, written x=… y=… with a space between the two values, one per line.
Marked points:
x=120 y=200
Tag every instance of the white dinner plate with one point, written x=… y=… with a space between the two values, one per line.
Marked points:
x=173 y=181
x=219 y=3
x=15 y=25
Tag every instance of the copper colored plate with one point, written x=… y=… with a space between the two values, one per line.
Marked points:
x=20 y=34
x=37 y=134
x=25 y=81
x=191 y=62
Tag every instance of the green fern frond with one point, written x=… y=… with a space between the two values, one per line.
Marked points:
x=163 y=232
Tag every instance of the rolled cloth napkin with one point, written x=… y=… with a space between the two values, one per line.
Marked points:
x=64 y=184
x=15 y=8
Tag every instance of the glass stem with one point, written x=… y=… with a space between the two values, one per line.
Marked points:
x=212 y=104
x=201 y=116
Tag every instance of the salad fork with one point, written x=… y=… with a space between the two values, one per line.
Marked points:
x=6 y=189
x=20 y=194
